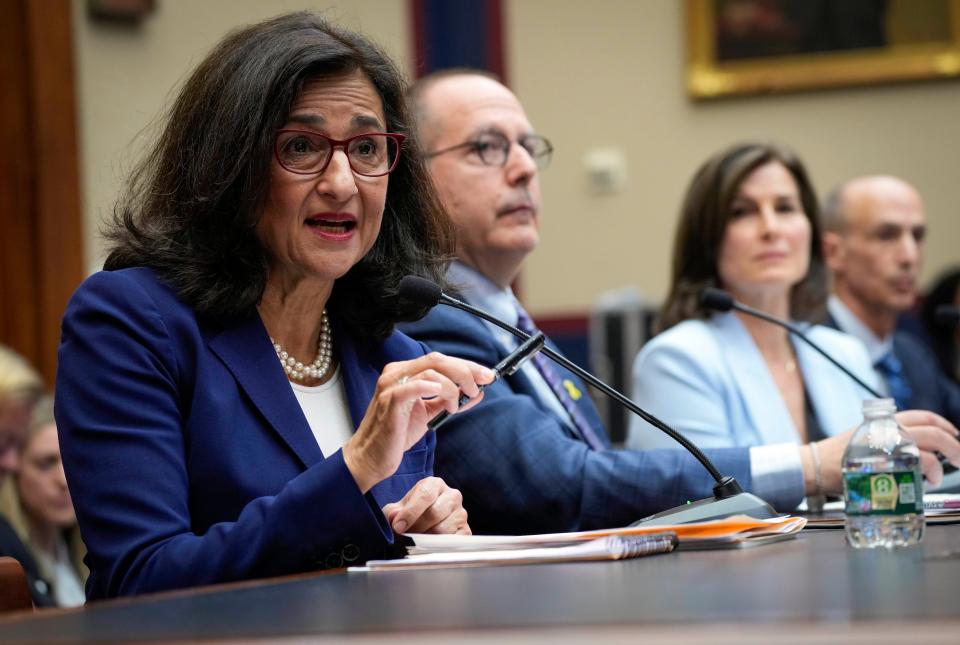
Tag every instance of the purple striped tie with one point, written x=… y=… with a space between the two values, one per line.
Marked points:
x=553 y=379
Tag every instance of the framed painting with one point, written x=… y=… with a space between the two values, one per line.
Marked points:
x=737 y=47
x=125 y=11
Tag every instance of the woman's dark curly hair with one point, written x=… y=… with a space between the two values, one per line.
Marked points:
x=703 y=224
x=191 y=205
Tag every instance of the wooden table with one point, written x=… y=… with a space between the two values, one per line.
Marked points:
x=813 y=588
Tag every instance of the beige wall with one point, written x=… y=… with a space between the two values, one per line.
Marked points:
x=607 y=73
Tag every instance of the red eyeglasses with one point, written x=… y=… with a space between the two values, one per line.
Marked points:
x=372 y=154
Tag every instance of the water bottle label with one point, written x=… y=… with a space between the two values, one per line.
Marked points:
x=896 y=493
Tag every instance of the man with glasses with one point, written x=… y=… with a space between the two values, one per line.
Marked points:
x=533 y=456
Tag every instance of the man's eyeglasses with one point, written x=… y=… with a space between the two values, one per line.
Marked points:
x=373 y=154
x=493 y=148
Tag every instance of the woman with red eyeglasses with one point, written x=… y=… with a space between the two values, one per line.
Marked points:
x=232 y=399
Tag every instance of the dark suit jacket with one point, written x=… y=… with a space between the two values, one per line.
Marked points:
x=931 y=389
x=522 y=471
x=12 y=546
x=188 y=456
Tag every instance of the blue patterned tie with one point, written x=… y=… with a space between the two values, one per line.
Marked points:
x=891 y=369
x=556 y=383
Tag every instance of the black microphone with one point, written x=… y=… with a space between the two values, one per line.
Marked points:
x=729 y=497
x=720 y=300
x=420 y=290
x=947 y=316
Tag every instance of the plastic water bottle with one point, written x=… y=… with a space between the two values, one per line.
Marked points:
x=882 y=481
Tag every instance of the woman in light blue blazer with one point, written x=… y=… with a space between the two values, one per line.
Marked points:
x=749 y=225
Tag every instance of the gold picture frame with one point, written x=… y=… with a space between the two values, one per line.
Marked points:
x=720 y=65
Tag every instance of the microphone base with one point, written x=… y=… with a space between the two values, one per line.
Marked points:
x=711 y=508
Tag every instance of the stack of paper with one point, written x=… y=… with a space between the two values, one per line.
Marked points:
x=941 y=504
x=611 y=547
x=433 y=551
x=734 y=532
x=940 y=508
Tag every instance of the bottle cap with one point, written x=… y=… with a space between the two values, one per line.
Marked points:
x=879 y=406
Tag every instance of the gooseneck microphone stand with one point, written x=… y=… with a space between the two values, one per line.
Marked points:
x=729 y=498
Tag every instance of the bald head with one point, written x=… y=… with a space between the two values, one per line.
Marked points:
x=479 y=145
x=435 y=97
x=867 y=198
x=873 y=244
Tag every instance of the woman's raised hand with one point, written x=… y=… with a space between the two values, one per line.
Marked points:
x=407 y=396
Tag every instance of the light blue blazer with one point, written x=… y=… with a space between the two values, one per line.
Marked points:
x=707 y=379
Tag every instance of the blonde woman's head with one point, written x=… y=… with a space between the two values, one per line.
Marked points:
x=20 y=388
x=41 y=483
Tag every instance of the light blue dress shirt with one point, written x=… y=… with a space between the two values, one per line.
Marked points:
x=483 y=294
x=876 y=347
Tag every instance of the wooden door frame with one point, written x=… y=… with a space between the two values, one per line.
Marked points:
x=41 y=242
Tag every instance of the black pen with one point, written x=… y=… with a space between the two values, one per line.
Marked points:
x=508 y=366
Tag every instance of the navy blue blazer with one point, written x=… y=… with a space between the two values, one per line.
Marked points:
x=523 y=471
x=188 y=457
x=931 y=388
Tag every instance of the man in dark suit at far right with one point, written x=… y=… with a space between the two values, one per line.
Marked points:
x=874 y=229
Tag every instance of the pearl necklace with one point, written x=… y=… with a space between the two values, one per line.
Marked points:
x=318 y=368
